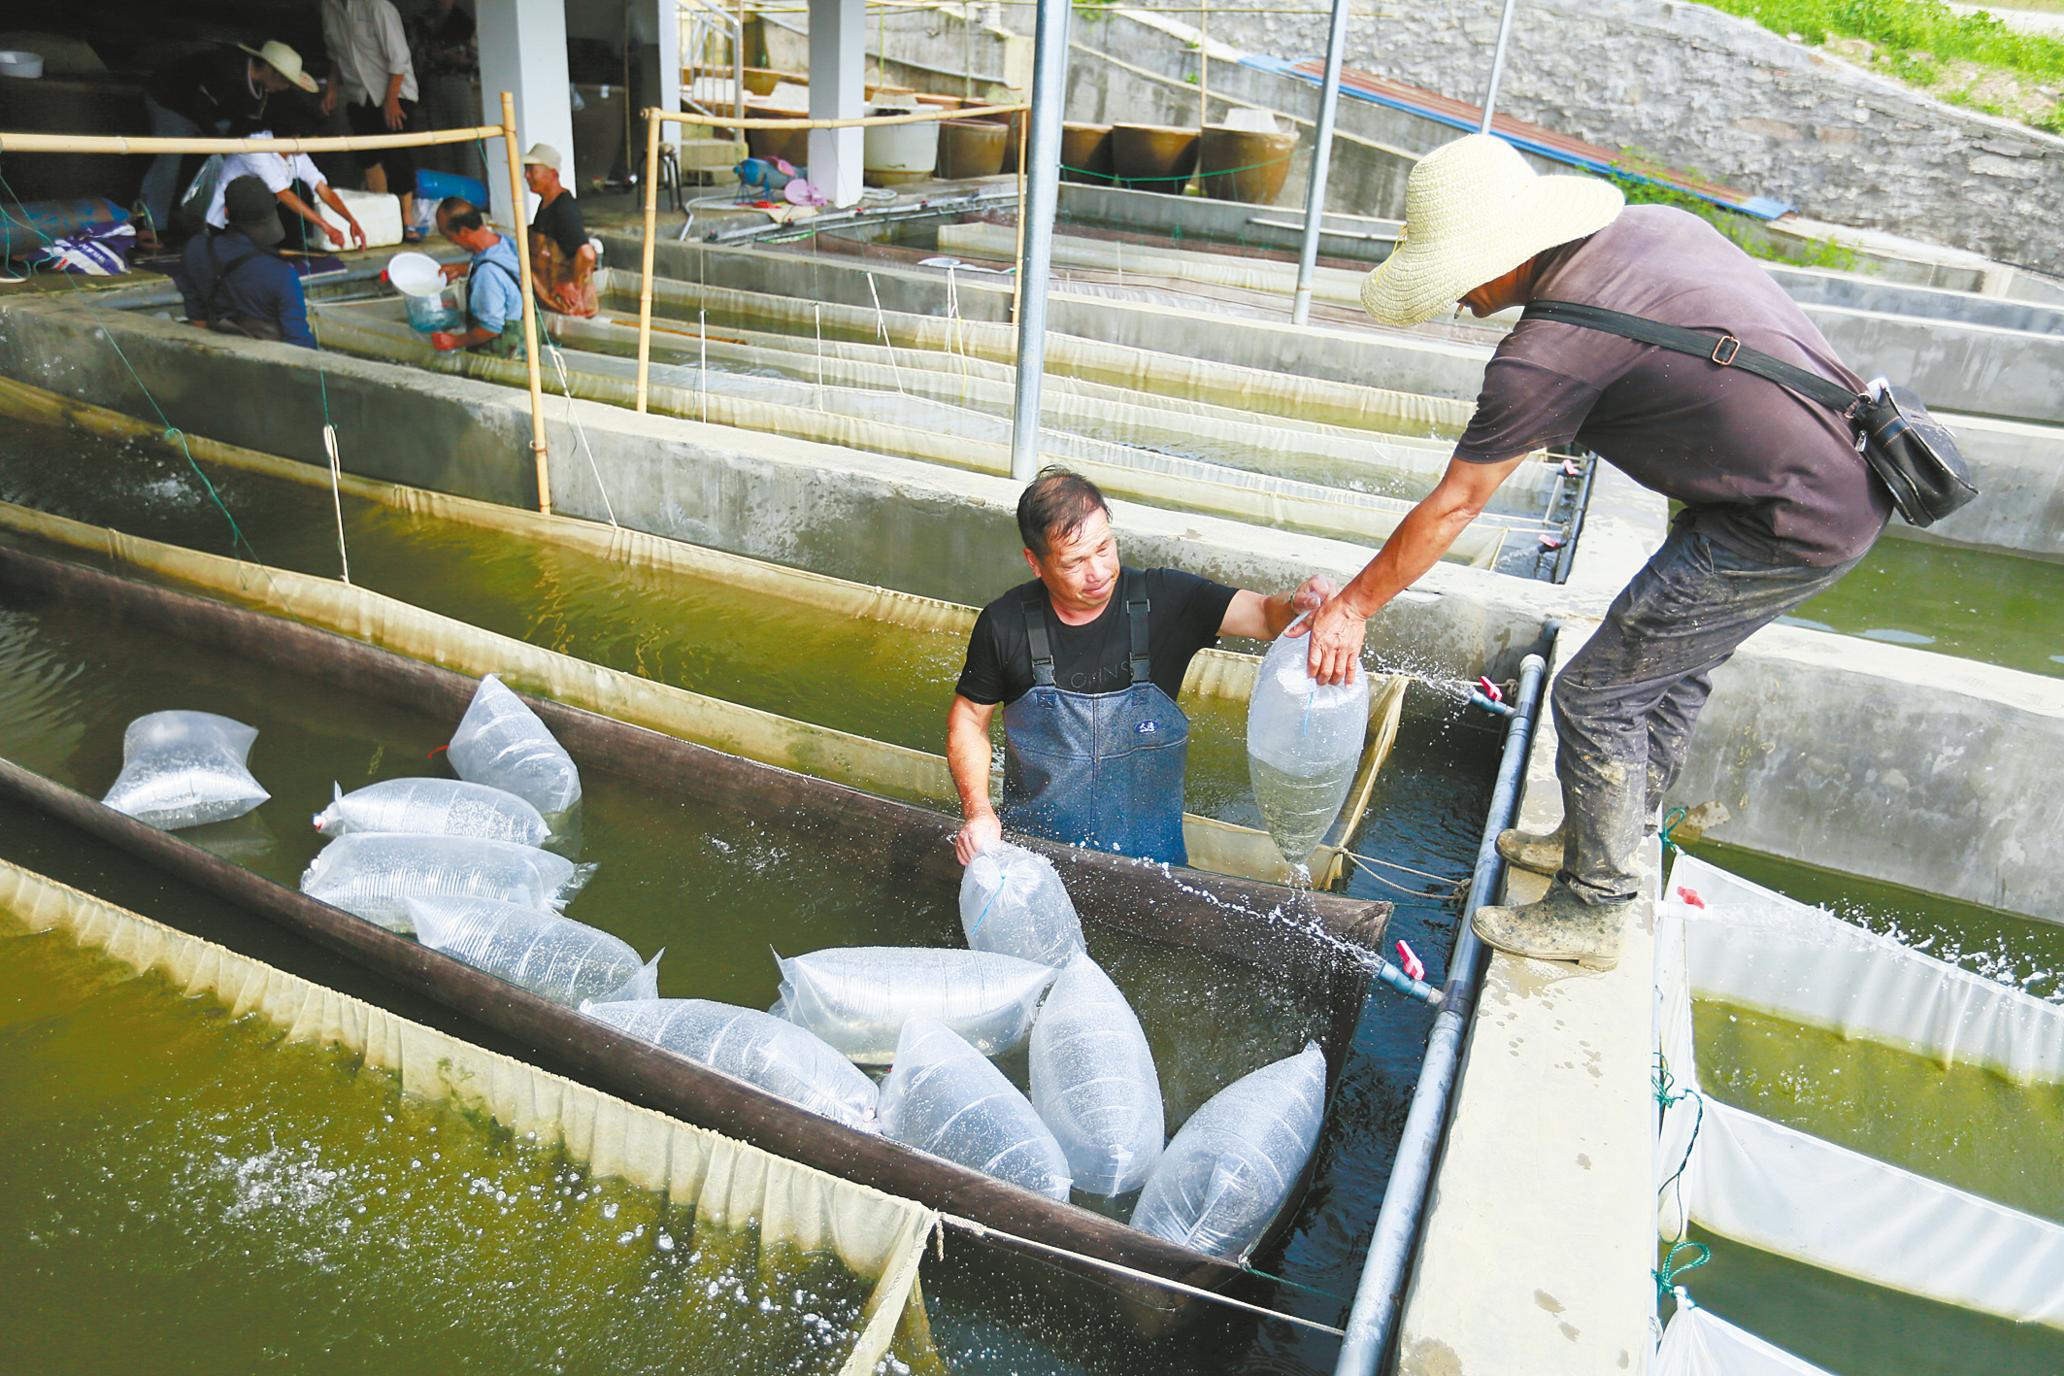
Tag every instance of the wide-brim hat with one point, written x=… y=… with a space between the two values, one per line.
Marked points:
x=542 y=155
x=283 y=60
x=1474 y=211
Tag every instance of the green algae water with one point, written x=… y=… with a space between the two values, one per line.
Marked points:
x=1975 y=604
x=1852 y=1328
x=184 y=1191
x=1962 y=1125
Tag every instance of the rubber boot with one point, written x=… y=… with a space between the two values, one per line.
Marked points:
x=1559 y=926
x=1532 y=851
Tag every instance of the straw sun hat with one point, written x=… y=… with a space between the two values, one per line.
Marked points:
x=1475 y=211
x=283 y=60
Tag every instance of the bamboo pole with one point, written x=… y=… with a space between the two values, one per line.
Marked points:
x=857 y=122
x=645 y=279
x=530 y=321
x=338 y=143
x=1018 y=277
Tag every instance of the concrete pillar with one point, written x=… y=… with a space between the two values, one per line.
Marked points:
x=838 y=90
x=656 y=30
x=523 y=51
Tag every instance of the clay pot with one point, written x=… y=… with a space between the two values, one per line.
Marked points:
x=1086 y=153
x=790 y=144
x=971 y=148
x=1014 y=123
x=761 y=81
x=1154 y=157
x=1242 y=165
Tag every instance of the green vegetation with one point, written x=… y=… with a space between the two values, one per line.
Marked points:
x=1745 y=232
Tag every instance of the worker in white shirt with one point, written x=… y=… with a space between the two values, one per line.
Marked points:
x=281 y=172
x=371 y=69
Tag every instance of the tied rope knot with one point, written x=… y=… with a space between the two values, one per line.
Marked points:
x=1666 y=1274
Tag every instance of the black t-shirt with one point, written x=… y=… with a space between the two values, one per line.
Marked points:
x=1096 y=657
x=211 y=85
x=562 y=222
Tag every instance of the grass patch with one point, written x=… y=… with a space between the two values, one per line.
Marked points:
x=1747 y=234
x=1910 y=29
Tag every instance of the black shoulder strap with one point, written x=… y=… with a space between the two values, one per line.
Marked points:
x=1034 y=607
x=1723 y=349
x=222 y=272
x=1134 y=587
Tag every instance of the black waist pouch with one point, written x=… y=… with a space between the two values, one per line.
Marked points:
x=1912 y=453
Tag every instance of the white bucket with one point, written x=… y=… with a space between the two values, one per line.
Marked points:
x=16 y=63
x=415 y=274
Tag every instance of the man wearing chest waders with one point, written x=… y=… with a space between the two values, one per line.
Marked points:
x=1087 y=660
x=1778 y=503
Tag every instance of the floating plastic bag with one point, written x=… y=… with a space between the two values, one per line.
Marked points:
x=433 y=807
x=501 y=743
x=180 y=769
x=746 y=1044
x=1094 y=1082
x=1012 y=902
x=1233 y=1164
x=944 y=1097
x=370 y=873
x=858 y=997
x=552 y=956
x=1304 y=740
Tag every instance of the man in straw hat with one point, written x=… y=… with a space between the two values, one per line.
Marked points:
x=1778 y=504
x=217 y=91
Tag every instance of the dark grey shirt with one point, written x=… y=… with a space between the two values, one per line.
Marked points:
x=1760 y=469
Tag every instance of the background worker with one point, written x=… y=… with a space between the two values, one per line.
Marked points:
x=1088 y=659
x=562 y=261
x=494 y=291
x=233 y=282
x=282 y=174
x=373 y=73
x=222 y=91
x=1778 y=503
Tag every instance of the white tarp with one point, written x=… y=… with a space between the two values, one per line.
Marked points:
x=1698 y=1344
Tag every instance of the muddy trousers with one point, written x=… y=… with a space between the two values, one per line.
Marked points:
x=1626 y=702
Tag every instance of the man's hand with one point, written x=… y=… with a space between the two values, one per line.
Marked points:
x=976 y=835
x=392 y=111
x=1312 y=595
x=1337 y=631
x=443 y=341
x=329 y=98
x=568 y=297
x=358 y=239
x=453 y=271
x=334 y=234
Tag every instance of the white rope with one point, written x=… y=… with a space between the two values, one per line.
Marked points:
x=329 y=441
x=702 y=360
x=566 y=386
x=1145 y=1277
x=1405 y=869
x=881 y=323
x=817 y=311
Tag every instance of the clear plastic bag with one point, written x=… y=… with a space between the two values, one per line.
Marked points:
x=1304 y=740
x=944 y=1097
x=370 y=873
x=746 y=1044
x=1012 y=902
x=433 y=807
x=1233 y=1164
x=858 y=997
x=1094 y=1082
x=181 y=769
x=553 y=957
x=501 y=743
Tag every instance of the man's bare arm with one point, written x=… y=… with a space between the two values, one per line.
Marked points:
x=968 y=756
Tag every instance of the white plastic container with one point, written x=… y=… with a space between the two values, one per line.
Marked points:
x=858 y=997
x=433 y=807
x=1230 y=1169
x=552 y=956
x=746 y=1044
x=24 y=66
x=502 y=743
x=1012 y=902
x=184 y=769
x=1304 y=740
x=944 y=1097
x=370 y=873
x=892 y=154
x=1094 y=1082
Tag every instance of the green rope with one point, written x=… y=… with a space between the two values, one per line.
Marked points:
x=1664 y=1085
x=1671 y=819
x=1285 y=1281
x=171 y=431
x=1666 y=1274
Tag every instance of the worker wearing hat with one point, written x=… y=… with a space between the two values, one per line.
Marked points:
x=562 y=260
x=231 y=279
x=218 y=91
x=1777 y=503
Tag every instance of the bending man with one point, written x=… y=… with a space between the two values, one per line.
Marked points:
x=1777 y=502
x=1087 y=659
x=494 y=296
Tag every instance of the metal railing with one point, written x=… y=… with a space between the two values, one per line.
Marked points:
x=707 y=32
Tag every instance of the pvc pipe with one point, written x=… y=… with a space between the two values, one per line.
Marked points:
x=1042 y=144
x=1396 y=980
x=1372 y=1323
x=651 y=189
x=530 y=321
x=1322 y=158
x=1490 y=100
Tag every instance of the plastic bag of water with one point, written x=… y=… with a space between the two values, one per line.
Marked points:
x=1094 y=1082
x=1304 y=740
x=433 y=807
x=858 y=997
x=370 y=872
x=501 y=743
x=746 y=1044
x=180 y=769
x=552 y=956
x=944 y=1097
x=1233 y=1164
x=1012 y=902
